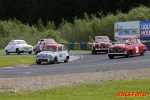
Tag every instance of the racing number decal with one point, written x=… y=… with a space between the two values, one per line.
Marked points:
x=60 y=55
x=137 y=49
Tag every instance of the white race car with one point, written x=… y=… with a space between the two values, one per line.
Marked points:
x=18 y=46
x=53 y=53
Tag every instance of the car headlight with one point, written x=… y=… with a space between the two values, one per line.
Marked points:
x=50 y=57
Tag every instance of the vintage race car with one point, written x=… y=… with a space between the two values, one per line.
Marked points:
x=127 y=46
x=39 y=45
x=53 y=53
x=101 y=44
x=18 y=46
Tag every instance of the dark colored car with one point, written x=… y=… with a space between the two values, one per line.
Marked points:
x=127 y=46
x=39 y=45
x=100 y=44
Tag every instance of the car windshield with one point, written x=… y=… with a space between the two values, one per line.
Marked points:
x=123 y=40
x=50 y=41
x=49 y=48
x=21 y=42
x=100 y=39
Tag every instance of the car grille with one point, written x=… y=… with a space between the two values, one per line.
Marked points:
x=42 y=60
x=116 y=50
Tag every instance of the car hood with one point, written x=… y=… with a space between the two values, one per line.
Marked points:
x=119 y=45
x=47 y=53
x=103 y=43
x=25 y=45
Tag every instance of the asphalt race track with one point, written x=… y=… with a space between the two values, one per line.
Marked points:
x=81 y=62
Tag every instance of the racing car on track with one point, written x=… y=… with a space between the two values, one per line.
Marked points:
x=127 y=46
x=100 y=44
x=53 y=53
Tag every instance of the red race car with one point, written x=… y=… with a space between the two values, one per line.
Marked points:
x=127 y=46
x=101 y=44
x=39 y=45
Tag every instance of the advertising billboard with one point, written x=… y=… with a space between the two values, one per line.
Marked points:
x=130 y=28
x=145 y=30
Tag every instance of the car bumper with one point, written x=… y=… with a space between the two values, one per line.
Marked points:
x=118 y=54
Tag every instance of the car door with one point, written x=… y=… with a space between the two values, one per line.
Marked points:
x=140 y=45
x=60 y=57
x=14 y=46
x=64 y=53
x=9 y=47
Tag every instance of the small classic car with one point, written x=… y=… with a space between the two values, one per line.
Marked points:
x=39 y=45
x=101 y=44
x=53 y=53
x=18 y=46
x=127 y=46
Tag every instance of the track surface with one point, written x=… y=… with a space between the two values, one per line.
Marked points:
x=81 y=62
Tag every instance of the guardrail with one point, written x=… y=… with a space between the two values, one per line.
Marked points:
x=87 y=46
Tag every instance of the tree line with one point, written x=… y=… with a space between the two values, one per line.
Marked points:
x=30 y=11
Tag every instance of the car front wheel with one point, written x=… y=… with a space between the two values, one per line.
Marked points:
x=55 y=60
x=38 y=62
x=128 y=54
x=7 y=52
x=30 y=52
x=17 y=50
x=111 y=56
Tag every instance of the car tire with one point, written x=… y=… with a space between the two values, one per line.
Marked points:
x=142 y=52
x=67 y=58
x=35 y=51
x=38 y=62
x=128 y=54
x=111 y=56
x=95 y=52
x=7 y=52
x=17 y=50
x=55 y=60
x=30 y=52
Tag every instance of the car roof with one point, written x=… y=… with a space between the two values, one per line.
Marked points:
x=129 y=37
x=100 y=36
x=53 y=45
x=18 y=40
x=47 y=39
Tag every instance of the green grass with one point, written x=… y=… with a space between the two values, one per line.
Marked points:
x=2 y=52
x=79 y=51
x=7 y=61
x=104 y=90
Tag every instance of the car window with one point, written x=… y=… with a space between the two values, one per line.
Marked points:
x=50 y=41
x=49 y=48
x=134 y=40
x=10 y=43
x=60 y=48
x=123 y=40
x=64 y=48
x=138 y=41
x=100 y=39
x=21 y=42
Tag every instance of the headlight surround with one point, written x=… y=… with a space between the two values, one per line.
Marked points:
x=122 y=49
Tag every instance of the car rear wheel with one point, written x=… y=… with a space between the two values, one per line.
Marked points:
x=38 y=62
x=30 y=52
x=55 y=60
x=111 y=56
x=7 y=52
x=142 y=52
x=17 y=50
x=67 y=58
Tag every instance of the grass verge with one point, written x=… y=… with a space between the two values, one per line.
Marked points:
x=6 y=61
x=105 y=90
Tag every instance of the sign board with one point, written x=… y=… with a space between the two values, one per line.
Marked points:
x=130 y=28
x=145 y=30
